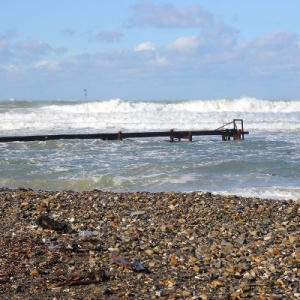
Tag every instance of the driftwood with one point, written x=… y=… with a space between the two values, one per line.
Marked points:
x=47 y=223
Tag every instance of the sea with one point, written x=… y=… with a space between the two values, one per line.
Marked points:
x=266 y=164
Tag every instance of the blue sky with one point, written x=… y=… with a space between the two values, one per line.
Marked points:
x=149 y=50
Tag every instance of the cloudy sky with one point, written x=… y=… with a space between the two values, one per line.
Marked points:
x=149 y=50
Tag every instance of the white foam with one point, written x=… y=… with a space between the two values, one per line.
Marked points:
x=219 y=105
x=273 y=192
x=116 y=114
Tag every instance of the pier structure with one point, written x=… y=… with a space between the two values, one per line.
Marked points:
x=235 y=133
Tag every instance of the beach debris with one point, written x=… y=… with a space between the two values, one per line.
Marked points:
x=135 y=266
x=48 y=243
x=48 y=223
x=121 y=262
x=137 y=213
x=88 y=232
x=77 y=280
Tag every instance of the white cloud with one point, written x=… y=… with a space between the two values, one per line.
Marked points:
x=165 y=15
x=48 y=65
x=9 y=34
x=11 y=68
x=159 y=61
x=184 y=44
x=144 y=47
x=31 y=50
x=3 y=44
x=37 y=46
x=277 y=40
x=109 y=36
x=68 y=32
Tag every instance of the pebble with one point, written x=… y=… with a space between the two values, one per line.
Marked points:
x=34 y=272
x=149 y=252
x=186 y=246
x=294 y=238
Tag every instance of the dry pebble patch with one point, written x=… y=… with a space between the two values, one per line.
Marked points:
x=169 y=245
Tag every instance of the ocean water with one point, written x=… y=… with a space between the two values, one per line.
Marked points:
x=266 y=164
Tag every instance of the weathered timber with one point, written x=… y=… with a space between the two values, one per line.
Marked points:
x=123 y=135
x=226 y=134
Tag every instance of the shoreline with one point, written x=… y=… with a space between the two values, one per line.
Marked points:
x=167 y=245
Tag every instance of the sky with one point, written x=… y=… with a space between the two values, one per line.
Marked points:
x=149 y=50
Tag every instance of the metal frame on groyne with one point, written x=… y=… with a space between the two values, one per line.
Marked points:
x=236 y=133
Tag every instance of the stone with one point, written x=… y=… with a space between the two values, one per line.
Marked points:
x=173 y=260
x=151 y=263
x=149 y=252
x=217 y=283
x=34 y=272
x=294 y=238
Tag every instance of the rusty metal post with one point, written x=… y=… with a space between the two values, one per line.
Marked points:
x=224 y=138
x=242 y=127
x=235 y=135
x=120 y=135
x=190 y=136
x=239 y=134
x=171 y=136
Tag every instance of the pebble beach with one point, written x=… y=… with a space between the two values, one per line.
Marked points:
x=167 y=245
